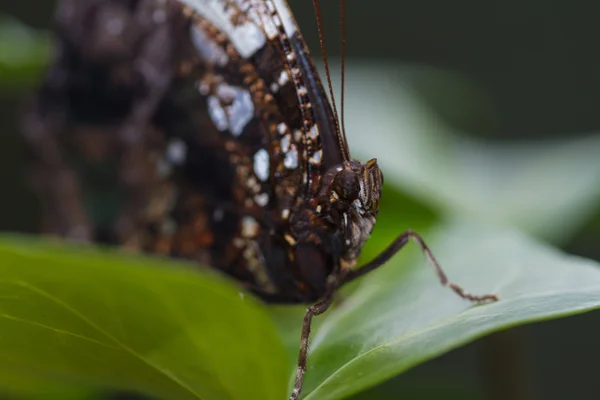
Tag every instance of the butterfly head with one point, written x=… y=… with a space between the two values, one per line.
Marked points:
x=353 y=196
x=357 y=186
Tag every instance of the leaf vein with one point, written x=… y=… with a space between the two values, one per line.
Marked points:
x=58 y=330
x=125 y=347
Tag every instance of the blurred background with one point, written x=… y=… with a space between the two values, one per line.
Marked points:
x=506 y=93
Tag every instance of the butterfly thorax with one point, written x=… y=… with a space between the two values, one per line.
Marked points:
x=329 y=231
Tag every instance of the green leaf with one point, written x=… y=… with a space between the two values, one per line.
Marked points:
x=546 y=188
x=24 y=386
x=132 y=322
x=401 y=316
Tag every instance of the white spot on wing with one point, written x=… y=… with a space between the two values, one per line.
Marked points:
x=285 y=143
x=176 y=151
x=241 y=111
x=207 y=48
x=217 y=114
x=291 y=158
x=247 y=37
x=283 y=78
x=237 y=112
x=204 y=88
x=316 y=158
x=281 y=128
x=249 y=227
x=286 y=17
x=261 y=165
x=262 y=199
x=267 y=23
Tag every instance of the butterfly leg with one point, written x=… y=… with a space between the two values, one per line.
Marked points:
x=398 y=244
x=316 y=309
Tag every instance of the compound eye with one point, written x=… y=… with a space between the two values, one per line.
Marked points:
x=346 y=185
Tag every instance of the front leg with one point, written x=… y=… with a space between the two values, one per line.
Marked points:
x=396 y=246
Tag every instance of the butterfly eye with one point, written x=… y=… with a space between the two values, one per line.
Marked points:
x=346 y=186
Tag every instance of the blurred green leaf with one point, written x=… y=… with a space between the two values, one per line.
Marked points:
x=401 y=316
x=136 y=323
x=545 y=188
x=25 y=386
x=23 y=53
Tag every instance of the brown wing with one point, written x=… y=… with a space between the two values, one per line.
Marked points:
x=202 y=150
x=261 y=142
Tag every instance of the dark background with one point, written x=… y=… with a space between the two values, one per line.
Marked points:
x=534 y=66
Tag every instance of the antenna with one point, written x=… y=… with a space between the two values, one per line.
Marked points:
x=340 y=133
x=343 y=68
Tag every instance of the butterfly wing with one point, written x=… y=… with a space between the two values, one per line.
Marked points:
x=203 y=150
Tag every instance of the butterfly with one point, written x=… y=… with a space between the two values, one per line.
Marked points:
x=209 y=121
